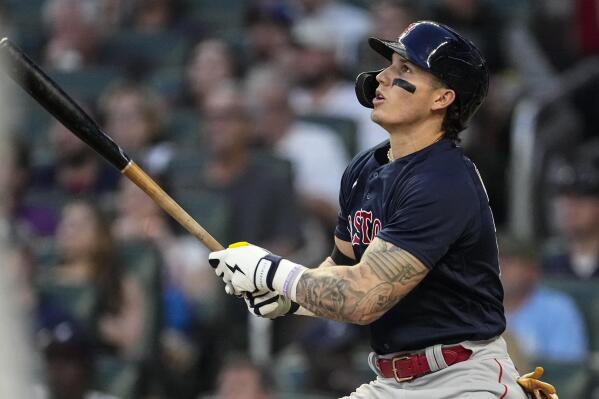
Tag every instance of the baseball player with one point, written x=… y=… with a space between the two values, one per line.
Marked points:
x=415 y=254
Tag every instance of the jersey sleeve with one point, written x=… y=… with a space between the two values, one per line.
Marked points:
x=428 y=216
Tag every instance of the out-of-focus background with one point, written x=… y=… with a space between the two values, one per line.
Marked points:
x=245 y=112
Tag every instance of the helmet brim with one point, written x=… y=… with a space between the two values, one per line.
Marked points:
x=386 y=48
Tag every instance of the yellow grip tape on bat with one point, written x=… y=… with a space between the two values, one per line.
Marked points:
x=239 y=244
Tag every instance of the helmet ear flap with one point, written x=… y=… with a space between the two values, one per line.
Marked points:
x=366 y=85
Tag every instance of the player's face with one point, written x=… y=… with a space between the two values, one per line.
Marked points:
x=396 y=106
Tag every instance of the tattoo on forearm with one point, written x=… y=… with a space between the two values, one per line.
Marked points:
x=364 y=292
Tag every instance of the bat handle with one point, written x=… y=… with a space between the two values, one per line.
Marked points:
x=147 y=184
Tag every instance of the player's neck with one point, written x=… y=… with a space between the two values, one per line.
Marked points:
x=405 y=141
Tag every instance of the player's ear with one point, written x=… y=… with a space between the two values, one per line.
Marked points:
x=443 y=98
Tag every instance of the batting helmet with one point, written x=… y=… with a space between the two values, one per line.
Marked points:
x=448 y=56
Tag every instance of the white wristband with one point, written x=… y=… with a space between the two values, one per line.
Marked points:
x=286 y=278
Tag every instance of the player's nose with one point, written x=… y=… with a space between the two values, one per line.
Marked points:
x=382 y=77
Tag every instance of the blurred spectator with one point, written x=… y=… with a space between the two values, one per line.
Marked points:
x=552 y=25
x=268 y=35
x=317 y=154
x=88 y=258
x=211 y=65
x=577 y=206
x=76 y=169
x=546 y=323
x=188 y=289
x=239 y=378
x=256 y=188
x=188 y=278
x=350 y=24
x=154 y=15
x=389 y=19
x=73 y=33
x=320 y=88
x=112 y=14
x=479 y=21
x=233 y=171
x=134 y=116
x=69 y=360
x=32 y=220
x=139 y=218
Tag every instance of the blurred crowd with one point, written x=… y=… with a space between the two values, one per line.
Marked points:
x=245 y=112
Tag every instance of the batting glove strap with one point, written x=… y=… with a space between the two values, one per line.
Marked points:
x=270 y=276
x=294 y=307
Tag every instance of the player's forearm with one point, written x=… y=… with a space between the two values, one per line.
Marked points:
x=302 y=311
x=362 y=293
x=336 y=293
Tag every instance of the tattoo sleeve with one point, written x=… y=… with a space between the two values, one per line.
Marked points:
x=362 y=293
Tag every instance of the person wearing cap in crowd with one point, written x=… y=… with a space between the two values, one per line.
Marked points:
x=69 y=362
x=576 y=253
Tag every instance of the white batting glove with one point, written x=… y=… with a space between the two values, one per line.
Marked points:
x=249 y=269
x=269 y=304
x=222 y=272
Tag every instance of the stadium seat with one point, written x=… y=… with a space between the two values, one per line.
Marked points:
x=27 y=15
x=210 y=209
x=142 y=52
x=183 y=128
x=185 y=170
x=220 y=17
x=168 y=82
x=344 y=127
x=79 y=301
x=85 y=85
x=281 y=166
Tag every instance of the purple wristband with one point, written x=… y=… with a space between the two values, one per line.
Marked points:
x=290 y=278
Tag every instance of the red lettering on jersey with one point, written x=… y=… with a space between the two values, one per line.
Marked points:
x=376 y=227
x=364 y=227
x=366 y=217
x=355 y=239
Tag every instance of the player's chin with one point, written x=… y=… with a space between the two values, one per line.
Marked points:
x=378 y=116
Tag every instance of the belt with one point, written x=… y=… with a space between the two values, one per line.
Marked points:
x=407 y=367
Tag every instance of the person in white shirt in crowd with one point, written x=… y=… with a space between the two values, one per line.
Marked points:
x=319 y=85
x=350 y=22
x=317 y=153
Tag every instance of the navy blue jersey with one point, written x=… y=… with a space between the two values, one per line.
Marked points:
x=432 y=204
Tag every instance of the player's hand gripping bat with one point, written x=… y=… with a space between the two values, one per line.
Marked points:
x=49 y=95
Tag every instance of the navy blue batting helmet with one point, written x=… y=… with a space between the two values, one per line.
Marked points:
x=444 y=53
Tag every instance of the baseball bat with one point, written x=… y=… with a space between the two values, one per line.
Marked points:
x=31 y=78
